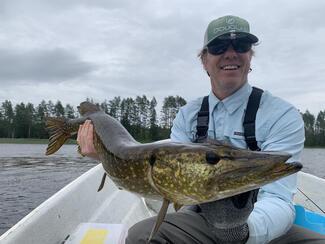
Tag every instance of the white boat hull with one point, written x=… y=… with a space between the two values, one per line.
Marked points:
x=79 y=202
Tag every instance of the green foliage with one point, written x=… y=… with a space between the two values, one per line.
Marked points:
x=314 y=129
x=7 y=120
x=169 y=110
x=138 y=115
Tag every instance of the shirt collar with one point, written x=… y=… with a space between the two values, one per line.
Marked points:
x=234 y=101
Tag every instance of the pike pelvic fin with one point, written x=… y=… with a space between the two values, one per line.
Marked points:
x=160 y=218
x=177 y=206
x=59 y=134
x=102 y=182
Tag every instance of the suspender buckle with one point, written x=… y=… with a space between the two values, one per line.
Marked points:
x=203 y=118
x=249 y=133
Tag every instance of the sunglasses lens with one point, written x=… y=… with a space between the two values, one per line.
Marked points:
x=241 y=46
x=218 y=48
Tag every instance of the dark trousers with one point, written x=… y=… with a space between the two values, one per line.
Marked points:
x=188 y=227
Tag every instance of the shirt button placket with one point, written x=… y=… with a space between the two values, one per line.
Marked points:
x=219 y=114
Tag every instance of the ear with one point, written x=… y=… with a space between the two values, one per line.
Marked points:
x=204 y=60
x=251 y=52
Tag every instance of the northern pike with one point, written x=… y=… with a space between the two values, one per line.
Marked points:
x=179 y=173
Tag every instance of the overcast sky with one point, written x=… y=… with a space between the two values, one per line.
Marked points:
x=69 y=50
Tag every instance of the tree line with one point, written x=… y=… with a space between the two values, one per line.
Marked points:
x=138 y=115
x=314 y=129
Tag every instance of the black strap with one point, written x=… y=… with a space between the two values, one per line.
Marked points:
x=250 y=117
x=248 y=124
x=202 y=121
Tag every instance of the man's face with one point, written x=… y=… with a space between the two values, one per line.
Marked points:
x=228 y=71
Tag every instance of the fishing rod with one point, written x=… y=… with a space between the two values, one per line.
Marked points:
x=311 y=201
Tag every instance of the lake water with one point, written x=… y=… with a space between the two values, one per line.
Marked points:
x=28 y=177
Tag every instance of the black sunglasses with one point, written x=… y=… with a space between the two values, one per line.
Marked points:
x=220 y=47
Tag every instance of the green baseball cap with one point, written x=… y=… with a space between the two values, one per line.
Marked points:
x=228 y=27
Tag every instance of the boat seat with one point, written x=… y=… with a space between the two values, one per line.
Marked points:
x=310 y=220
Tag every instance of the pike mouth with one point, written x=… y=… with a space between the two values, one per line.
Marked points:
x=230 y=67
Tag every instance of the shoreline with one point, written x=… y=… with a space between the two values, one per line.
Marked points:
x=30 y=141
x=69 y=141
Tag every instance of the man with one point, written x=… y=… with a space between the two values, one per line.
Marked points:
x=226 y=57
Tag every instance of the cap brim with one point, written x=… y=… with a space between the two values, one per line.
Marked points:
x=239 y=35
x=252 y=38
x=236 y=35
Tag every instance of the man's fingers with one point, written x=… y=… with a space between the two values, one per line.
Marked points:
x=85 y=137
x=79 y=133
x=87 y=129
x=90 y=131
x=85 y=140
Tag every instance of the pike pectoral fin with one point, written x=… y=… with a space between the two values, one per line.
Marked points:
x=102 y=182
x=177 y=206
x=160 y=218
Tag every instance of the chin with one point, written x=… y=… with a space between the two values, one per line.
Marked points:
x=231 y=84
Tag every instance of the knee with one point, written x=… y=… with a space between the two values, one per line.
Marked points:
x=139 y=233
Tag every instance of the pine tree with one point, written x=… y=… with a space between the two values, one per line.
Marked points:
x=59 y=109
x=153 y=130
x=320 y=128
x=8 y=119
x=69 y=112
x=309 y=121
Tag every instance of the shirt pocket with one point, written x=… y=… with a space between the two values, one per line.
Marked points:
x=235 y=137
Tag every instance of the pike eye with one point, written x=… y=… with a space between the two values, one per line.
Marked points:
x=212 y=158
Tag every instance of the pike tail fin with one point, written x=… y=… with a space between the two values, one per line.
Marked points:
x=59 y=132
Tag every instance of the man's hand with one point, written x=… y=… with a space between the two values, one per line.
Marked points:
x=229 y=216
x=85 y=140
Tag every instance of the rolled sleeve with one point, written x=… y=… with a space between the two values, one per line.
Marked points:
x=178 y=131
x=274 y=213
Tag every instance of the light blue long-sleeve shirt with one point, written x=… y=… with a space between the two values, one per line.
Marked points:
x=279 y=127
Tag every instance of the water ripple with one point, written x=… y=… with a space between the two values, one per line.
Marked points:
x=27 y=182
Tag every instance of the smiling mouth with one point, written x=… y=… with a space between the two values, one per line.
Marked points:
x=230 y=67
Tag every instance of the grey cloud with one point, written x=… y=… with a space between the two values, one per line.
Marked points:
x=42 y=65
x=63 y=5
x=150 y=47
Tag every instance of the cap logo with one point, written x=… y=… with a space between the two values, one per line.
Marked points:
x=233 y=36
x=230 y=21
x=228 y=28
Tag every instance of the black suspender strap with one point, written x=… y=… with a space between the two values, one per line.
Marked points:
x=202 y=121
x=248 y=124
x=250 y=117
